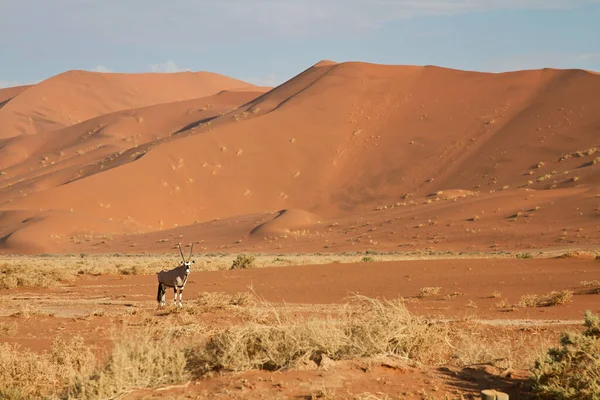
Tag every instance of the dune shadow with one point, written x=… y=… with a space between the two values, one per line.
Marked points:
x=194 y=125
x=584 y=165
x=5 y=102
x=481 y=377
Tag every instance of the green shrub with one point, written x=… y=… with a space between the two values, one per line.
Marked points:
x=571 y=371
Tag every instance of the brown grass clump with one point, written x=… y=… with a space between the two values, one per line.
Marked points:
x=244 y=261
x=26 y=374
x=142 y=358
x=12 y=276
x=429 y=291
x=577 y=254
x=588 y=284
x=548 y=300
x=571 y=371
x=501 y=348
x=367 y=327
x=8 y=329
x=208 y=301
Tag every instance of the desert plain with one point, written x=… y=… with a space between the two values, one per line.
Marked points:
x=361 y=231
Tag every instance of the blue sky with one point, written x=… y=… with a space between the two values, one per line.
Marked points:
x=269 y=41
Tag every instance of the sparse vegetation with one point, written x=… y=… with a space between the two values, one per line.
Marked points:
x=12 y=276
x=55 y=270
x=367 y=327
x=429 y=291
x=147 y=352
x=572 y=370
x=548 y=300
x=244 y=261
x=524 y=255
x=141 y=358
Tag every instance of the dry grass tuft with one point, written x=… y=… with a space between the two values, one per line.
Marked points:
x=244 y=261
x=366 y=328
x=577 y=254
x=429 y=291
x=502 y=348
x=8 y=329
x=145 y=357
x=25 y=374
x=210 y=301
x=548 y=300
x=12 y=276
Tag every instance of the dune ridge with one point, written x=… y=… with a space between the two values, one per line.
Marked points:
x=348 y=142
x=75 y=96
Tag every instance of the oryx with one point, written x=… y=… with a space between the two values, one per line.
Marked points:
x=175 y=278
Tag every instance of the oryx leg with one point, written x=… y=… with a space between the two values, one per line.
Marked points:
x=180 y=296
x=175 y=295
x=161 y=294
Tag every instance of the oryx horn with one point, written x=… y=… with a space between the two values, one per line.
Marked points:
x=181 y=251
x=191 y=249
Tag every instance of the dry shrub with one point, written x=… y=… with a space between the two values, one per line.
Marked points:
x=131 y=270
x=571 y=371
x=367 y=327
x=208 y=301
x=26 y=374
x=142 y=358
x=145 y=357
x=7 y=329
x=27 y=311
x=547 y=300
x=12 y=276
x=244 y=261
x=594 y=285
x=501 y=348
x=429 y=291
x=577 y=254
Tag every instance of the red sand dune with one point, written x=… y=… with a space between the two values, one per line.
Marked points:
x=285 y=222
x=382 y=156
x=8 y=93
x=75 y=96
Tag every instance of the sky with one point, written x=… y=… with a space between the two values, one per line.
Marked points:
x=267 y=42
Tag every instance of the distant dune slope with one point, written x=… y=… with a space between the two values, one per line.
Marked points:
x=75 y=96
x=335 y=141
x=6 y=94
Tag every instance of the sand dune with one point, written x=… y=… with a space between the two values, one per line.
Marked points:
x=365 y=147
x=75 y=96
x=7 y=94
x=286 y=221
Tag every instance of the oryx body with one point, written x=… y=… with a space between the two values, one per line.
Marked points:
x=175 y=278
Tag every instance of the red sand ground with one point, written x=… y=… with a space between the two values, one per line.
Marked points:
x=317 y=288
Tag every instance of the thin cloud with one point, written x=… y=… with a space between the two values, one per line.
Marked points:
x=168 y=67
x=542 y=60
x=270 y=80
x=101 y=68
x=6 y=83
